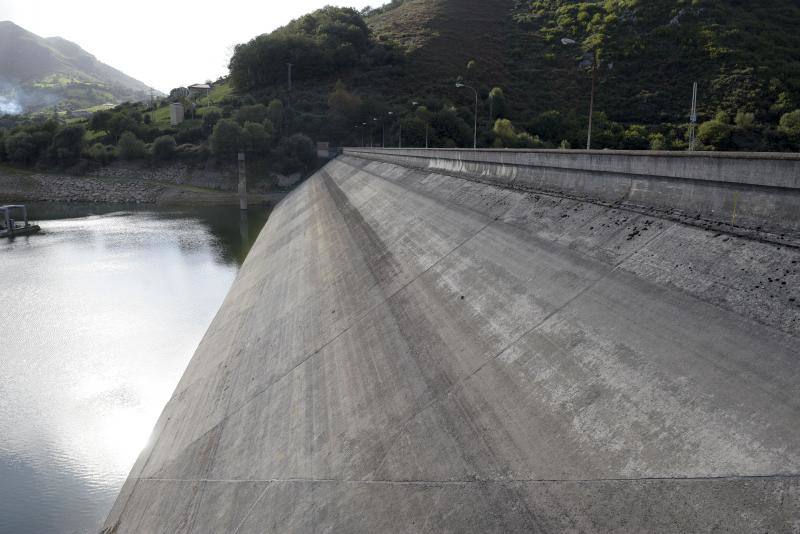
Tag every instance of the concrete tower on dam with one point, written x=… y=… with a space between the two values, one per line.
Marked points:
x=498 y=341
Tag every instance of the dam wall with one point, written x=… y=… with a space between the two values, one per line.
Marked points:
x=737 y=191
x=414 y=350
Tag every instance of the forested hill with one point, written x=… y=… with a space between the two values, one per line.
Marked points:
x=745 y=57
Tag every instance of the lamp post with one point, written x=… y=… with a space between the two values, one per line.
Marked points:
x=383 y=131
x=400 y=138
x=475 y=132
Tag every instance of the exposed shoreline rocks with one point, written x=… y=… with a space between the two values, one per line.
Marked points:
x=20 y=186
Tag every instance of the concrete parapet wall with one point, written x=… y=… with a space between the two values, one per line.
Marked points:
x=737 y=190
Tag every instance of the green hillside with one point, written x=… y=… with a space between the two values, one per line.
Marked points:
x=390 y=74
x=55 y=74
x=745 y=58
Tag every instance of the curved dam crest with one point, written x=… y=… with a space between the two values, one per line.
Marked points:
x=422 y=345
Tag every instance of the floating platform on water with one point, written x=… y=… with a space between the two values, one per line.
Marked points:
x=12 y=228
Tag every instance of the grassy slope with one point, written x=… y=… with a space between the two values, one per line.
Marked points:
x=735 y=51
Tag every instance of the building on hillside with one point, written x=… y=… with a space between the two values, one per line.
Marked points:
x=175 y=113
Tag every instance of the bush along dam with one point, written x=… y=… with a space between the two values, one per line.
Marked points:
x=498 y=341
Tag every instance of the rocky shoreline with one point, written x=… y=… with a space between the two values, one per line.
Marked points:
x=20 y=186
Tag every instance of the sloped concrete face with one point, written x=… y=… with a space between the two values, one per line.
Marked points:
x=405 y=351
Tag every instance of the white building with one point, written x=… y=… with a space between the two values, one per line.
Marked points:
x=175 y=113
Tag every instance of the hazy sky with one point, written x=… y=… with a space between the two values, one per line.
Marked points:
x=163 y=43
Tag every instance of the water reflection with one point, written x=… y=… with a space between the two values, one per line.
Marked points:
x=100 y=315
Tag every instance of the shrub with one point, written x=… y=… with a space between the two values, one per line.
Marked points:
x=164 y=147
x=103 y=154
x=745 y=120
x=191 y=135
x=658 y=142
x=131 y=147
x=210 y=119
x=189 y=152
x=635 y=138
x=254 y=113
x=714 y=133
x=790 y=124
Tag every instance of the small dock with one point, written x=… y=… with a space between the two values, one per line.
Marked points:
x=10 y=227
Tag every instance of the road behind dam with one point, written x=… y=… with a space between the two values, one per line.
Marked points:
x=406 y=350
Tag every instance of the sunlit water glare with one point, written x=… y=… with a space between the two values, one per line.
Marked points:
x=99 y=317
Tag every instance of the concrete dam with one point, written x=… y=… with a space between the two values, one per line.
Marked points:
x=498 y=341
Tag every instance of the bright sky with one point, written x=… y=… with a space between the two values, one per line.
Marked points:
x=163 y=43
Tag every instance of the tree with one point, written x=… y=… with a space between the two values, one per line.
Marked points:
x=121 y=122
x=297 y=153
x=275 y=113
x=790 y=124
x=497 y=104
x=3 y=135
x=164 y=147
x=448 y=126
x=225 y=139
x=21 y=148
x=255 y=113
x=255 y=139
x=210 y=120
x=101 y=121
x=67 y=145
x=130 y=146
x=506 y=136
x=635 y=138
x=331 y=39
x=714 y=133
x=344 y=110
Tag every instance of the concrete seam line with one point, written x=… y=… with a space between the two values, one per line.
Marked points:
x=478 y=482
x=252 y=507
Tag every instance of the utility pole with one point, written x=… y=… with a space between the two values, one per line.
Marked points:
x=289 y=101
x=693 y=118
x=242 y=182
x=591 y=100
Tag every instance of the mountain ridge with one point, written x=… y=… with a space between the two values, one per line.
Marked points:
x=38 y=73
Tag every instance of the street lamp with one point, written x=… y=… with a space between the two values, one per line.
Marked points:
x=399 y=121
x=475 y=133
x=383 y=131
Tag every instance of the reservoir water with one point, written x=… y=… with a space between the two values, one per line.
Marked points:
x=99 y=316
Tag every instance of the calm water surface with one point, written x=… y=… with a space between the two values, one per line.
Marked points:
x=99 y=316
